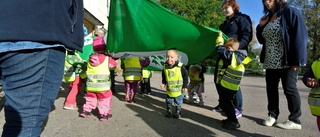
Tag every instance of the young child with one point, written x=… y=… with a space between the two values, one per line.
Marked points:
x=175 y=80
x=75 y=68
x=312 y=80
x=98 y=83
x=196 y=84
x=132 y=75
x=145 y=82
x=230 y=73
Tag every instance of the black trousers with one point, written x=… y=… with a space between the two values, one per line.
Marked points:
x=225 y=100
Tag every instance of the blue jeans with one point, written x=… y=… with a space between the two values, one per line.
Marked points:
x=289 y=79
x=31 y=80
x=178 y=101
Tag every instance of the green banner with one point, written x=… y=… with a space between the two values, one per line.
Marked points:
x=143 y=26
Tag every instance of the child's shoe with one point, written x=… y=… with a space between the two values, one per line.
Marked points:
x=85 y=114
x=169 y=114
x=70 y=107
x=104 y=118
x=201 y=103
x=127 y=98
x=227 y=124
x=177 y=115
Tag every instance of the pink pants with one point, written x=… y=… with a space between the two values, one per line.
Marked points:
x=131 y=88
x=74 y=89
x=103 y=99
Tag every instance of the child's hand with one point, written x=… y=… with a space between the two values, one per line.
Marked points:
x=312 y=82
x=162 y=86
x=219 y=40
x=185 y=90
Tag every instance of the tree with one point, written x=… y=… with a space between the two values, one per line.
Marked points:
x=207 y=13
x=203 y=12
x=310 y=10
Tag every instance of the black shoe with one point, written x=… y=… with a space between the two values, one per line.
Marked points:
x=227 y=124
x=177 y=115
x=224 y=121
x=169 y=114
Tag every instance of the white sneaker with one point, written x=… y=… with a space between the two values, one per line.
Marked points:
x=289 y=125
x=269 y=121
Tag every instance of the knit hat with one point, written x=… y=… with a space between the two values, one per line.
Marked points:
x=99 y=44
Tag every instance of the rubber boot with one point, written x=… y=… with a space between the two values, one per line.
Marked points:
x=178 y=112
x=169 y=111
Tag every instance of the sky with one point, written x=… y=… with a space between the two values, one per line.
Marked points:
x=253 y=8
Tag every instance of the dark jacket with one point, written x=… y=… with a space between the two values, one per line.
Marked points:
x=226 y=56
x=240 y=27
x=44 y=21
x=184 y=74
x=294 y=35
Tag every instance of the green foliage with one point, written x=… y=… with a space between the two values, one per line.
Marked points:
x=310 y=11
x=203 y=12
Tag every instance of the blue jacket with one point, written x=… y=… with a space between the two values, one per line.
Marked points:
x=239 y=27
x=43 y=21
x=294 y=35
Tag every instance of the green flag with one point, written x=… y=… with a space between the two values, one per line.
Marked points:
x=145 y=28
x=87 y=49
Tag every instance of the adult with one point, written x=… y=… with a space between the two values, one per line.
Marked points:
x=239 y=26
x=33 y=38
x=284 y=36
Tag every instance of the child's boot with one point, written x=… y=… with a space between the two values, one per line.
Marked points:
x=127 y=95
x=201 y=103
x=169 y=111
x=178 y=112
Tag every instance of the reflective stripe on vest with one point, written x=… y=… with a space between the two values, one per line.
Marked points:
x=232 y=75
x=174 y=80
x=98 y=77
x=314 y=95
x=146 y=73
x=132 y=69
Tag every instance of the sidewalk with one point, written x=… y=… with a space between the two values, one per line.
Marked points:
x=145 y=118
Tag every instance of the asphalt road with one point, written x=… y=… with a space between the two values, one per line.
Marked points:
x=145 y=118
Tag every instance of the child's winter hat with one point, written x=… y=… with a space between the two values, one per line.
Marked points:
x=99 y=44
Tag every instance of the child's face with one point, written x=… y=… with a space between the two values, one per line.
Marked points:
x=171 y=57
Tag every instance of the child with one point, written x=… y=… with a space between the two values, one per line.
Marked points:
x=75 y=69
x=145 y=82
x=312 y=80
x=175 y=80
x=230 y=73
x=98 y=83
x=196 y=84
x=132 y=75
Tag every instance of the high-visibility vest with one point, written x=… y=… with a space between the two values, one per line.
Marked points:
x=314 y=95
x=146 y=73
x=132 y=68
x=174 y=80
x=232 y=75
x=98 y=77
x=194 y=76
x=69 y=70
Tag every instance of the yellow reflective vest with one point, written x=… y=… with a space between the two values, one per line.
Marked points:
x=314 y=95
x=194 y=76
x=98 y=77
x=69 y=70
x=146 y=73
x=230 y=77
x=174 y=80
x=132 y=68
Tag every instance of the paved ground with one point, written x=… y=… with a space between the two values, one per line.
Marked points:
x=145 y=118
